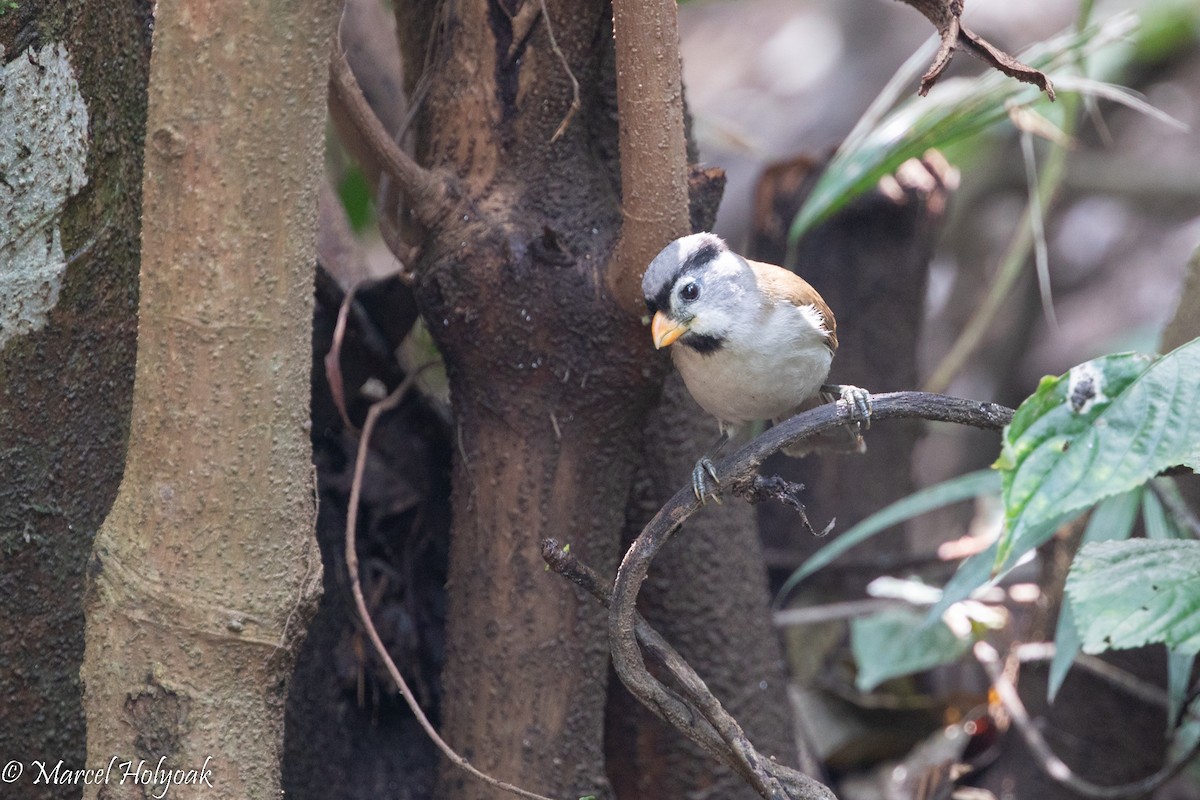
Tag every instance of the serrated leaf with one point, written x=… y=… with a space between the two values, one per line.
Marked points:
x=1132 y=593
x=898 y=642
x=1103 y=428
x=1112 y=520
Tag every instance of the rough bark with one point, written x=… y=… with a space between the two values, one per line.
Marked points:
x=205 y=571
x=708 y=597
x=550 y=379
x=64 y=388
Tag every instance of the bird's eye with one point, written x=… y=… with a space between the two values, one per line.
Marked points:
x=690 y=292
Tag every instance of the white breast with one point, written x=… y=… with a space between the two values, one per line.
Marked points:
x=763 y=371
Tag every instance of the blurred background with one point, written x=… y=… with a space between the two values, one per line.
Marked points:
x=774 y=87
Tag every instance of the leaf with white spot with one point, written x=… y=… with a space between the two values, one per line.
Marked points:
x=1105 y=427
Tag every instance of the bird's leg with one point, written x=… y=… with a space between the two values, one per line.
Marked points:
x=704 y=470
x=859 y=401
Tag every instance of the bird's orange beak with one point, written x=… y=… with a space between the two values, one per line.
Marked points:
x=665 y=330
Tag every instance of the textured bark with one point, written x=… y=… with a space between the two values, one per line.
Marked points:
x=65 y=389
x=708 y=597
x=205 y=571
x=550 y=380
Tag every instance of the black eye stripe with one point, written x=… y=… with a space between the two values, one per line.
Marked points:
x=701 y=255
x=662 y=300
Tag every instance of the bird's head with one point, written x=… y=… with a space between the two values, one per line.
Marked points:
x=693 y=288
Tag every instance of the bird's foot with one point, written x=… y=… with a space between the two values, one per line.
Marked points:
x=703 y=471
x=857 y=399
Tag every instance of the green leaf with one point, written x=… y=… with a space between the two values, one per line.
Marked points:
x=980 y=569
x=1157 y=522
x=973 y=484
x=1105 y=427
x=897 y=642
x=1066 y=647
x=1179 y=676
x=356 y=198
x=1132 y=593
x=953 y=111
x=972 y=574
x=1112 y=520
x=1187 y=735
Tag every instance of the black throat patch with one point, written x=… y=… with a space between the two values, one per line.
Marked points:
x=702 y=343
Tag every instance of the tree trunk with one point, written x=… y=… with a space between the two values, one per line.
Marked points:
x=550 y=380
x=72 y=116
x=205 y=571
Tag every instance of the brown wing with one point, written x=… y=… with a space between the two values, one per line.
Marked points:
x=781 y=283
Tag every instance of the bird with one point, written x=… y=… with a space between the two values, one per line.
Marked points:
x=752 y=341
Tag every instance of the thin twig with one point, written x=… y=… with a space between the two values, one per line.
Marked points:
x=373 y=415
x=832 y=612
x=575 y=102
x=996 y=58
x=425 y=192
x=738 y=473
x=702 y=733
x=1050 y=763
x=1037 y=222
x=945 y=16
x=1132 y=685
x=1129 y=683
x=333 y=360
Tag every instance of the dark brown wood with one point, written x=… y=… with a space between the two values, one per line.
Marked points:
x=550 y=377
x=65 y=389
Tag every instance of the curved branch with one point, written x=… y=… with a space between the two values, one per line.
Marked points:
x=739 y=473
x=426 y=192
x=690 y=707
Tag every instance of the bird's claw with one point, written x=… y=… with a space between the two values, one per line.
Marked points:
x=858 y=401
x=704 y=470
